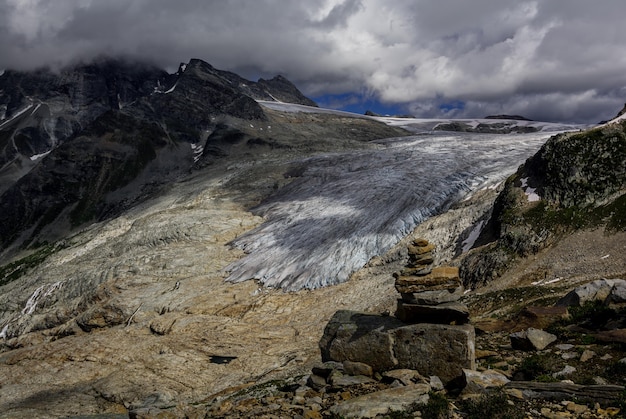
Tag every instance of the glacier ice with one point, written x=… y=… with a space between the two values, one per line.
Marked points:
x=347 y=207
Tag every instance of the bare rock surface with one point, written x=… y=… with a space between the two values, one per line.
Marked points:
x=382 y=402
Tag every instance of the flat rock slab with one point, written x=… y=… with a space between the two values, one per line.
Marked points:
x=441 y=277
x=434 y=297
x=445 y=313
x=531 y=339
x=382 y=402
x=385 y=343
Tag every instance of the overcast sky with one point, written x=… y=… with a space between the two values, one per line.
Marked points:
x=557 y=60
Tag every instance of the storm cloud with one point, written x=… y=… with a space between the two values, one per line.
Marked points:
x=560 y=60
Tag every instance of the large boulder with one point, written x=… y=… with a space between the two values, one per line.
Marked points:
x=601 y=289
x=386 y=343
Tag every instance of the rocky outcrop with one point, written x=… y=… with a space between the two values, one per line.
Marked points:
x=96 y=139
x=386 y=343
x=575 y=181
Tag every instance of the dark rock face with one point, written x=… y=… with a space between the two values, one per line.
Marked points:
x=95 y=139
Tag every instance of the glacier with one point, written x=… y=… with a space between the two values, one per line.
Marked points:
x=344 y=208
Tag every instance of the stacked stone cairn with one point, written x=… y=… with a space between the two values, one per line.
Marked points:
x=429 y=294
x=429 y=334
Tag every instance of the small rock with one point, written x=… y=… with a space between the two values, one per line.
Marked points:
x=565 y=371
x=576 y=408
x=600 y=381
x=316 y=382
x=564 y=346
x=419 y=250
x=531 y=339
x=569 y=355
x=479 y=382
x=481 y=353
x=357 y=368
x=435 y=383
x=324 y=369
x=587 y=355
x=420 y=242
x=541 y=317
x=404 y=376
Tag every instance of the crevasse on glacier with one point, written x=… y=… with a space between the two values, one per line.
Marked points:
x=348 y=207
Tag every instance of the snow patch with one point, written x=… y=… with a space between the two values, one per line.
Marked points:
x=530 y=192
x=171 y=89
x=472 y=237
x=40 y=293
x=197 y=150
x=38 y=156
x=183 y=67
x=17 y=114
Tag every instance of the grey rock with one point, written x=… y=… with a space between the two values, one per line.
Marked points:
x=433 y=349
x=385 y=343
x=316 y=382
x=600 y=289
x=324 y=369
x=433 y=297
x=531 y=339
x=567 y=370
x=357 y=368
x=382 y=402
x=480 y=382
x=403 y=375
x=435 y=383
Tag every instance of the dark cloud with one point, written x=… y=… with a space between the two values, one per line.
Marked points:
x=563 y=59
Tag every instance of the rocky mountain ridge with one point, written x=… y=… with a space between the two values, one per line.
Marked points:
x=102 y=125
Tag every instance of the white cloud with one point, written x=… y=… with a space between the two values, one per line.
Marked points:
x=406 y=51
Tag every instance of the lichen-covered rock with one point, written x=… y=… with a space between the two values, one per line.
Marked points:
x=385 y=343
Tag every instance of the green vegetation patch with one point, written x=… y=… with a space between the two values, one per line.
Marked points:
x=15 y=270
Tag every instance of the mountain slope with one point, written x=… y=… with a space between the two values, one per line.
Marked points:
x=96 y=139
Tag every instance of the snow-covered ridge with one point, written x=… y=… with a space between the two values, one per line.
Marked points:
x=419 y=125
